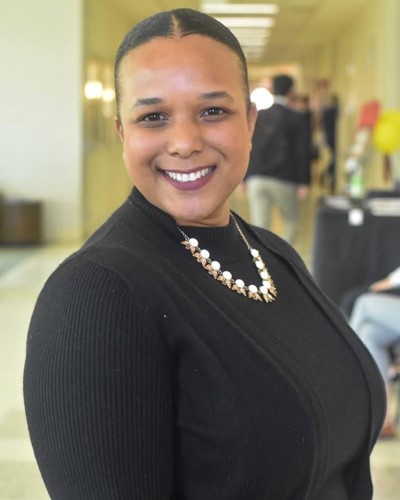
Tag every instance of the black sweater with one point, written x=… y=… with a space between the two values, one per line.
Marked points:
x=147 y=379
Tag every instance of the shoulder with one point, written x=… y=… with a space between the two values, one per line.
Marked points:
x=84 y=299
x=117 y=247
x=96 y=269
x=262 y=116
x=106 y=267
x=82 y=279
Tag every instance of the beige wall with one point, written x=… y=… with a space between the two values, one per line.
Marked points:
x=40 y=126
x=44 y=155
x=105 y=180
x=362 y=62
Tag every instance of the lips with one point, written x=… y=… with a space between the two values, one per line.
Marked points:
x=193 y=179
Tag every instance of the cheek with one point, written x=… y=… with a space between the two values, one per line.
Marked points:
x=239 y=146
x=234 y=140
x=139 y=149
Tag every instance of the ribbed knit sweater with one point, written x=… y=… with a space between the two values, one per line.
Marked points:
x=147 y=379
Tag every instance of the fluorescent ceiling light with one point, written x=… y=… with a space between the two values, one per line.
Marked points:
x=247 y=22
x=239 y=8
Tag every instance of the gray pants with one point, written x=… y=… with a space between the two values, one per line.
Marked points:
x=376 y=320
x=266 y=192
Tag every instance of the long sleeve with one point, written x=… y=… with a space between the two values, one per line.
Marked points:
x=97 y=390
x=395 y=277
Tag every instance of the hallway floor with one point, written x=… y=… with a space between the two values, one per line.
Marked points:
x=22 y=274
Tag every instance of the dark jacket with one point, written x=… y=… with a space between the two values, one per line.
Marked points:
x=281 y=145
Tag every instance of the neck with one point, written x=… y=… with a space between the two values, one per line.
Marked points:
x=220 y=219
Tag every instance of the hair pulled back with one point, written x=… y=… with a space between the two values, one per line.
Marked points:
x=173 y=23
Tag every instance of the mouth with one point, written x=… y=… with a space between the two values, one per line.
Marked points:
x=187 y=177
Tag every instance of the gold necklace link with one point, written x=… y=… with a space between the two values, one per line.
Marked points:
x=265 y=293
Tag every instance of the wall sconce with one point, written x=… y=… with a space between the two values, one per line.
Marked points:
x=99 y=103
x=93 y=89
x=108 y=92
x=93 y=86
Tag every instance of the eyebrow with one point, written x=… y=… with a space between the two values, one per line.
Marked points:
x=151 y=101
x=216 y=95
x=147 y=101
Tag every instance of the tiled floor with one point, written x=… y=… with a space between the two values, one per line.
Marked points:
x=19 y=286
x=22 y=274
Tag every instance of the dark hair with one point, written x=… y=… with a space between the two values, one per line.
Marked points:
x=282 y=84
x=178 y=22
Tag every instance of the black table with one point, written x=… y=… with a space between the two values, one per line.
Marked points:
x=345 y=256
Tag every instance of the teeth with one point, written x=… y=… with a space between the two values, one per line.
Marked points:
x=193 y=176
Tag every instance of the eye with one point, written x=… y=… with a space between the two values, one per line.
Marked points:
x=152 y=118
x=214 y=112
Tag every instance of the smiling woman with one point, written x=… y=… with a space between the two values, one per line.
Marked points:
x=155 y=371
x=185 y=126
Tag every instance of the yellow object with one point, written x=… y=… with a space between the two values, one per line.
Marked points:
x=386 y=133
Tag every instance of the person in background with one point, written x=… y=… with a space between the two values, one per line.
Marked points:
x=375 y=318
x=301 y=103
x=389 y=284
x=329 y=117
x=374 y=314
x=183 y=353
x=279 y=168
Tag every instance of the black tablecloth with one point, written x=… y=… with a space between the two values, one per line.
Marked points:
x=345 y=256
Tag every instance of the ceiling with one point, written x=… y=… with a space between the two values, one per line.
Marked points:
x=300 y=24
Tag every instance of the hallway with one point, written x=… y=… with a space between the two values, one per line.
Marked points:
x=22 y=274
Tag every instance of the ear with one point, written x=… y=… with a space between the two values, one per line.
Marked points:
x=118 y=128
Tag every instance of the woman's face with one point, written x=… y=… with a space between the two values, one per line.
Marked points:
x=185 y=128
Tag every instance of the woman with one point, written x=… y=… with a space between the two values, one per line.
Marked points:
x=389 y=284
x=165 y=360
x=376 y=320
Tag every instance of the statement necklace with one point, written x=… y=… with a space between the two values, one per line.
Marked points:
x=266 y=292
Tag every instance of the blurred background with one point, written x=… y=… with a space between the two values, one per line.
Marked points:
x=61 y=169
x=57 y=101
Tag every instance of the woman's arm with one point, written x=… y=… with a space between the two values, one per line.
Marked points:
x=391 y=281
x=97 y=390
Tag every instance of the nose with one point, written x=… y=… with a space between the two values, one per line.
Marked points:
x=185 y=138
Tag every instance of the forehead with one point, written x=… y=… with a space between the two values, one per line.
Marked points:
x=193 y=56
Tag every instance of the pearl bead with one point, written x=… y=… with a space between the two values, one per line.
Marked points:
x=266 y=291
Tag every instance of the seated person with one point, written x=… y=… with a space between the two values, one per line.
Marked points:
x=389 y=284
x=376 y=319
